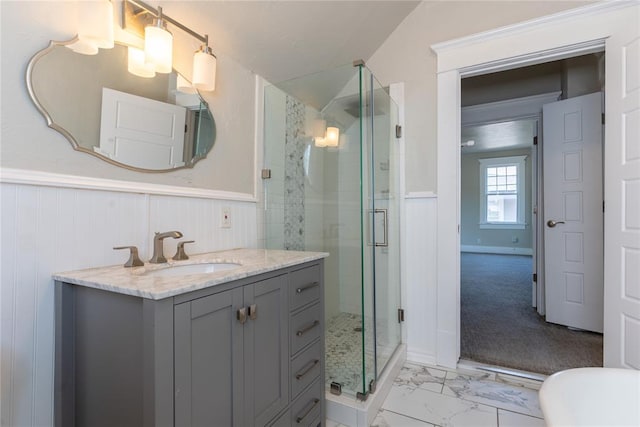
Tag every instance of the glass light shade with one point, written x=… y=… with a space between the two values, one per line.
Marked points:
x=83 y=47
x=136 y=64
x=333 y=136
x=183 y=85
x=95 y=23
x=204 y=71
x=320 y=142
x=158 y=48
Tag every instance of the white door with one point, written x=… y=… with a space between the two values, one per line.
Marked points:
x=573 y=237
x=622 y=196
x=141 y=132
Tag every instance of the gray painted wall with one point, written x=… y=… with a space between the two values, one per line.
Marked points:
x=470 y=232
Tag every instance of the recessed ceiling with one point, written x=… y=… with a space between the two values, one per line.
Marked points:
x=281 y=40
x=498 y=136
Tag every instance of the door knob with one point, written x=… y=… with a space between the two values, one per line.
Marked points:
x=551 y=223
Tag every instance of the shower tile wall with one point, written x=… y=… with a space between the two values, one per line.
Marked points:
x=294 y=180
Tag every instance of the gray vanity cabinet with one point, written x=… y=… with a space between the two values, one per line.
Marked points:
x=231 y=366
x=243 y=353
x=208 y=361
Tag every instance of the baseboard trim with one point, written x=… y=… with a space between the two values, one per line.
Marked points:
x=421 y=357
x=502 y=250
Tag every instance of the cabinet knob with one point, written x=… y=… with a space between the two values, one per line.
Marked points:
x=253 y=312
x=242 y=315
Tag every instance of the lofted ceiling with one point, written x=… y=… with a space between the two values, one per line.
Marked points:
x=281 y=40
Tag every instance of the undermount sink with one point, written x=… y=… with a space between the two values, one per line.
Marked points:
x=591 y=396
x=184 y=269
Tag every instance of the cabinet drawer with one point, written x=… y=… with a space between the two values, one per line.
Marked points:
x=307 y=409
x=305 y=327
x=304 y=286
x=305 y=368
x=283 y=420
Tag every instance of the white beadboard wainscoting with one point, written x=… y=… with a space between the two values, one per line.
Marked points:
x=419 y=259
x=47 y=229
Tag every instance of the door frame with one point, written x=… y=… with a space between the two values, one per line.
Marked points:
x=572 y=33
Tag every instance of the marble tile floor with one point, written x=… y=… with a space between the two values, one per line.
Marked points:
x=425 y=396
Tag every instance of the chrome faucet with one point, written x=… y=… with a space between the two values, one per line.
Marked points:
x=158 y=247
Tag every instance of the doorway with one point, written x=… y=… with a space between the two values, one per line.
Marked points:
x=502 y=290
x=612 y=26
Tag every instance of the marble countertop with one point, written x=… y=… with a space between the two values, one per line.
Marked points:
x=135 y=281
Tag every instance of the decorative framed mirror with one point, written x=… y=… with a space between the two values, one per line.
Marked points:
x=138 y=123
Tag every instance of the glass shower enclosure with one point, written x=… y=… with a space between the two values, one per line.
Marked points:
x=330 y=144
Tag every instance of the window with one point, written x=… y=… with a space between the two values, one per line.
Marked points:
x=502 y=188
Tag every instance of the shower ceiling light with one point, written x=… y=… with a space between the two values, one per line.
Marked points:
x=330 y=138
x=333 y=136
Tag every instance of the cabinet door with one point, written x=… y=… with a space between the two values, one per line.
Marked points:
x=266 y=350
x=208 y=361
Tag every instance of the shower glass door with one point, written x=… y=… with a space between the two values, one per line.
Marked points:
x=339 y=197
x=381 y=246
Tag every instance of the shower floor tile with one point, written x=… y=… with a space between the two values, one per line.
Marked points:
x=343 y=346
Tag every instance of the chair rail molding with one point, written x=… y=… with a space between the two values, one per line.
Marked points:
x=48 y=179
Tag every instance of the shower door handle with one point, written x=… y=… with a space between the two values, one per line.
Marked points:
x=375 y=231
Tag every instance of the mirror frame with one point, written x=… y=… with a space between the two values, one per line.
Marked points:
x=74 y=143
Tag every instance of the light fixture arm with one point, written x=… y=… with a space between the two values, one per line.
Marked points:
x=162 y=17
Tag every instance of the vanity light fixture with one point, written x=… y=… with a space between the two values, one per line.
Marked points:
x=158 y=42
x=158 y=45
x=136 y=63
x=204 y=67
x=95 y=27
x=183 y=85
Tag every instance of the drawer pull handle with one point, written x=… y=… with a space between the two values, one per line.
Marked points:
x=310 y=408
x=303 y=331
x=301 y=289
x=307 y=369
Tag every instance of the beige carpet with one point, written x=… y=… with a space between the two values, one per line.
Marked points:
x=499 y=326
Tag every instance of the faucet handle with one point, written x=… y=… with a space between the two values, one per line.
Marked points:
x=180 y=253
x=134 y=259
